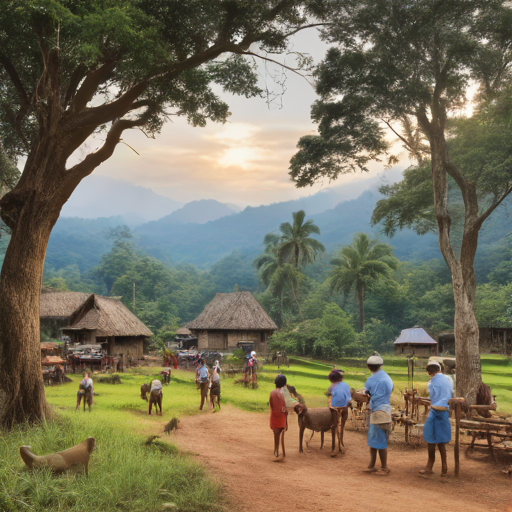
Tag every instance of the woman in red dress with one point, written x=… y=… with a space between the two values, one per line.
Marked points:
x=278 y=416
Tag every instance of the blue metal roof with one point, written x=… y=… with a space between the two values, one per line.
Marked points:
x=415 y=336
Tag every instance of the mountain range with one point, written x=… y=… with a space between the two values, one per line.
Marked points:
x=203 y=232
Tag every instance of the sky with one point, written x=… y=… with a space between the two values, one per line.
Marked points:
x=244 y=161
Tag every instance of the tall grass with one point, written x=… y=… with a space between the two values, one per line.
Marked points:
x=125 y=474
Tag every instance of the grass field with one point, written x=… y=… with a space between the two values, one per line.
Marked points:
x=127 y=475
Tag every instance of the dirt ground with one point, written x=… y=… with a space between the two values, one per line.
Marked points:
x=236 y=447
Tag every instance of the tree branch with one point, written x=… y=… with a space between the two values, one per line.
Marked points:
x=493 y=207
x=79 y=171
x=90 y=85
x=15 y=79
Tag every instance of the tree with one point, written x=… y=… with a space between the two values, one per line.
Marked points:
x=279 y=266
x=295 y=243
x=70 y=69
x=411 y=76
x=360 y=266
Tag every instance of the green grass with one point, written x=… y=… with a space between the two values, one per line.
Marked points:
x=126 y=475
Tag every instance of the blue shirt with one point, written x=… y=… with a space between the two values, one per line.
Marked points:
x=340 y=394
x=203 y=373
x=380 y=386
x=440 y=390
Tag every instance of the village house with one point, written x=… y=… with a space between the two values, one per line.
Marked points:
x=231 y=318
x=492 y=340
x=415 y=342
x=93 y=319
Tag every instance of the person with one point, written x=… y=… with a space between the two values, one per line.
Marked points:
x=379 y=387
x=203 y=379
x=278 y=416
x=85 y=391
x=215 y=386
x=251 y=364
x=339 y=399
x=156 y=392
x=437 y=429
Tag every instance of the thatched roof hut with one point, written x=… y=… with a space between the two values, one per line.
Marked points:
x=108 y=316
x=91 y=318
x=60 y=305
x=415 y=341
x=231 y=318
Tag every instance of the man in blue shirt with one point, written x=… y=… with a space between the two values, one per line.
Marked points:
x=379 y=386
x=437 y=429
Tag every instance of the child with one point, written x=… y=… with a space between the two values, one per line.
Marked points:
x=203 y=376
x=278 y=416
x=339 y=398
x=215 y=386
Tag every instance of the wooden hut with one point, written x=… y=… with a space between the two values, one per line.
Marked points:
x=415 y=342
x=56 y=308
x=230 y=318
x=492 y=340
x=97 y=320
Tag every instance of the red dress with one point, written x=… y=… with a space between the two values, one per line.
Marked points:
x=277 y=410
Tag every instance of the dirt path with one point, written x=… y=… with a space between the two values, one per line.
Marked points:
x=237 y=446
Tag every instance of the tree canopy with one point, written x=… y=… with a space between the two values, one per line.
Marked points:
x=407 y=69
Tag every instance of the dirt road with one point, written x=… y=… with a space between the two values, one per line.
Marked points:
x=237 y=447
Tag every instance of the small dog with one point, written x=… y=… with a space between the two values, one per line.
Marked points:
x=172 y=425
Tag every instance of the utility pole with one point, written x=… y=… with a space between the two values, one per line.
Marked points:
x=133 y=297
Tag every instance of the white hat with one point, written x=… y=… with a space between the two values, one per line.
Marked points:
x=253 y=353
x=375 y=359
x=434 y=363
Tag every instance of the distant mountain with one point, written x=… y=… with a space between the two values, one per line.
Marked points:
x=234 y=206
x=198 y=212
x=174 y=239
x=101 y=196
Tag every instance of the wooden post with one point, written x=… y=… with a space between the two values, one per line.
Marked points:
x=407 y=416
x=456 y=404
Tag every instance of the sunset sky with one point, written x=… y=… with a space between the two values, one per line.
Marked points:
x=244 y=161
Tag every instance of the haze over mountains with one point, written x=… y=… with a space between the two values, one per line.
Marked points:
x=203 y=232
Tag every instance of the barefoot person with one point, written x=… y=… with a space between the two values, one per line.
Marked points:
x=203 y=378
x=278 y=416
x=379 y=386
x=437 y=429
x=339 y=398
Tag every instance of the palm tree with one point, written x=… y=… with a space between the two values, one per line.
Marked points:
x=275 y=273
x=295 y=244
x=361 y=265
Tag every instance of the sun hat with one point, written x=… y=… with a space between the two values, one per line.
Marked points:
x=375 y=359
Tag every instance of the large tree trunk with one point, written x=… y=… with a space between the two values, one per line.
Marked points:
x=468 y=368
x=21 y=377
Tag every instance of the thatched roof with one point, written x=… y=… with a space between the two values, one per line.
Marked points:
x=60 y=304
x=109 y=316
x=415 y=336
x=183 y=330
x=233 y=311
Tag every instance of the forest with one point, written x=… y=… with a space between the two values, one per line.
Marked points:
x=314 y=318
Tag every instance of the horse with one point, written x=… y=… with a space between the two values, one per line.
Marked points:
x=85 y=394
x=155 y=397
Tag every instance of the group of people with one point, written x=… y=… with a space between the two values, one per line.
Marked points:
x=379 y=386
x=208 y=382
